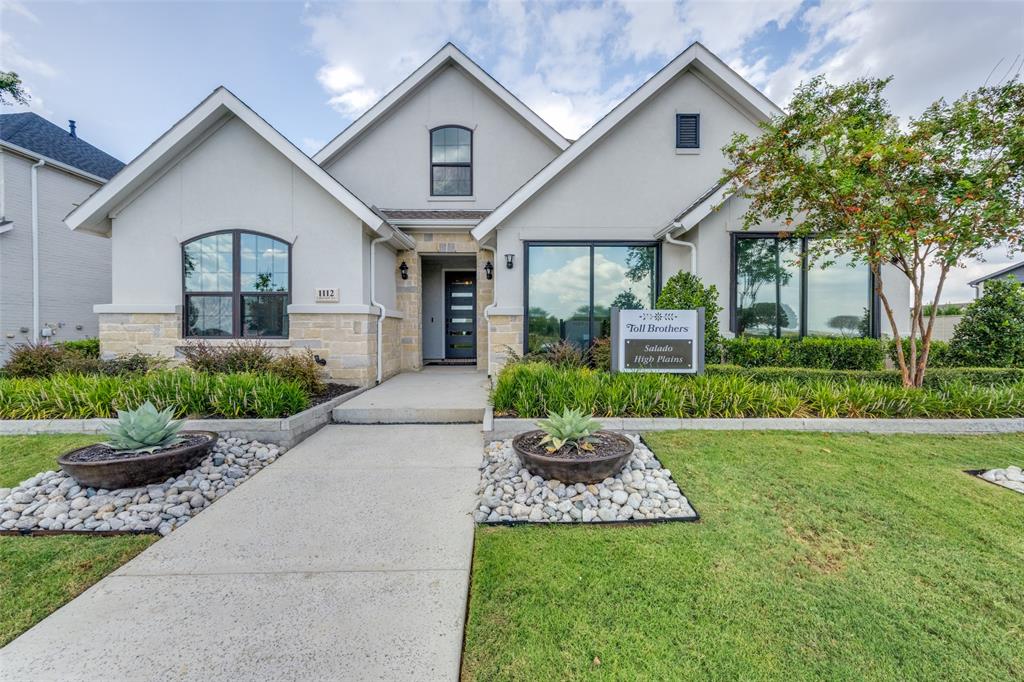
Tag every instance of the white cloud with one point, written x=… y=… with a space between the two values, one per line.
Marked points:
x=18 y=8
x=13 y=58
x=311 y=145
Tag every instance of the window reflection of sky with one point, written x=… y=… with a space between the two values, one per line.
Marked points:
x=559 y=278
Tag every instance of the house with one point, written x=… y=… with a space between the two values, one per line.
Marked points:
x=1013 y=271
x=450 y=223
x=50 y=278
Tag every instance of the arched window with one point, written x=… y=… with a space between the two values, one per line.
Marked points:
x=236 y=285
x=451 y=162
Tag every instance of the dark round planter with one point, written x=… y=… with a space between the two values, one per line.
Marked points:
x=136 y=470
x=585 y=470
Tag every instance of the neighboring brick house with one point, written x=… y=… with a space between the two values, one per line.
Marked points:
x=50 y=277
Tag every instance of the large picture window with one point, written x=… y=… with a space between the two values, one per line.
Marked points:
x=571 y=288
x=236 y=285
x=451 y=162
x=776 y=293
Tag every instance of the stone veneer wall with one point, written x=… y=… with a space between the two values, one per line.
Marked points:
x=410 y=292
x=506 y=333
x=348 y=341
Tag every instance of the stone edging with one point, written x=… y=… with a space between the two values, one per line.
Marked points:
x=506 y=427
x=286 y=432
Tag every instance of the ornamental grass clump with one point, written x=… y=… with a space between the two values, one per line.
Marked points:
x=145 y=429
x=571 y=428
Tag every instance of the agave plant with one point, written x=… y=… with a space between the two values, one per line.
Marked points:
x=572 y=427
x=144 y=430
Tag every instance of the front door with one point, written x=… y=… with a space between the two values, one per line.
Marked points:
x=459 y=315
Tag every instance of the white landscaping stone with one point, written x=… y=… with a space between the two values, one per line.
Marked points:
x=643 y=490
x=1011 y=477
x=52 y=500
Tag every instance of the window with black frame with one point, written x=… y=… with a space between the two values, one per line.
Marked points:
x=451 y=162
x=571 y=288
x=776 y=293
x=236 y=285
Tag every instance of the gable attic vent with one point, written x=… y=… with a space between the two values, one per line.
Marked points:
x=687 y=131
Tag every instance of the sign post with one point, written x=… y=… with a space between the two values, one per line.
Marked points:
x=666 y=341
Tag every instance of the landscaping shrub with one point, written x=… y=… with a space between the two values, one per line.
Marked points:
x=938 y=354
x=237 y=356
x=193 y=394
x=811 y=352
x=991 y=333
x=975 y=376
x=601 y=354
x=300 y=368
x=684 y=291
x=536 y=389
x=33 y=360
x=30 y=360
x=90 y=348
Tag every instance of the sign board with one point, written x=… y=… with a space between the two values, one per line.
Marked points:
x=667 y=341
x=327 y=295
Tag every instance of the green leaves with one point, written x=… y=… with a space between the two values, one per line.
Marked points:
x=144 y=429
x=571 y=427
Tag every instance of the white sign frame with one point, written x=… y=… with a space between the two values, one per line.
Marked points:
x=670 y=326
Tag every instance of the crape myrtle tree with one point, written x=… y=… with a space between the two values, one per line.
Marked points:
x=926 y=197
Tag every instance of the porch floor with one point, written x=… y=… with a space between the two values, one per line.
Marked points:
x=434 y=395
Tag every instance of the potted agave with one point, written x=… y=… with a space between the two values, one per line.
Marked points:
x=572 y=448
x=144 y=446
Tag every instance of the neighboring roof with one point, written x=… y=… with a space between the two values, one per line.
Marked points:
x=34 y=133
x=432 y=214
x=695 y=54
x=999 y=273
x=93 y=215
x=447 y=55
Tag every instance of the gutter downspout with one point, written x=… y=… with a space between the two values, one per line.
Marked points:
x=678 y=242
x=383 y=310
x=488 y=308
x=35 y=249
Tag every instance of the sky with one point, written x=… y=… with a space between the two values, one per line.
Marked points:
x=126 y=72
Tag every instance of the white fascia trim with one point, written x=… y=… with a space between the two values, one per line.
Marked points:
x=694 y=54
x=22 y=151
x=435 y=223
x=697 y=213
x=161 y=308
x=448 y=53
x=339 y=309
x=95 y=210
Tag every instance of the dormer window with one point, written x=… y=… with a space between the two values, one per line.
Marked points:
x=687 y=131
x=451 y=162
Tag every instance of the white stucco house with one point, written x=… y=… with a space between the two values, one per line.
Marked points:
x=50 y=278
x=450 y=223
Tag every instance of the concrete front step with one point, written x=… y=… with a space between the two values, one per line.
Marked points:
x=408 y=415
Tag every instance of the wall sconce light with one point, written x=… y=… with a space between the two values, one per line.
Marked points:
x=510 y=260
x=489 y=270
x=404 y=269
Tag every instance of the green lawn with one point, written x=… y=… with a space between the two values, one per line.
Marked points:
x=40 y=574
x=818 y=557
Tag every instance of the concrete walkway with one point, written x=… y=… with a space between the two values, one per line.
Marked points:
x=434 y=395
x=306 y=572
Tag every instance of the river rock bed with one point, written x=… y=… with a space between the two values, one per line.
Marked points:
x=642 y=491
x=54 y=501
x=1011 y=477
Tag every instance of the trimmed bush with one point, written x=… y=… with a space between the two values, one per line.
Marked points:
x=601 y=354
x=991 y=333
x=69 y=396
x=34 y=360
x=938 y=354
x=90 y=348
x=536 y=389
x=811 y=352
x=231 y=358
x=30 y=360
x=974 y=376
x=684 y=291
x=300 y=368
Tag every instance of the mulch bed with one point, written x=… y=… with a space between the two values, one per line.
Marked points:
x=607 y=445
x=330 y=392
x=103 y=453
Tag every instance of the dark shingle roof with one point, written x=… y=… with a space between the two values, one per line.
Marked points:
x=33 y=132
x=432 y=214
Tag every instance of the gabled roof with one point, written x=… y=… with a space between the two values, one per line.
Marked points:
x=447 y=55
x=34 y=133
x=698 y=210
x=93 y=215
x=999 y=273
x=696 y=55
